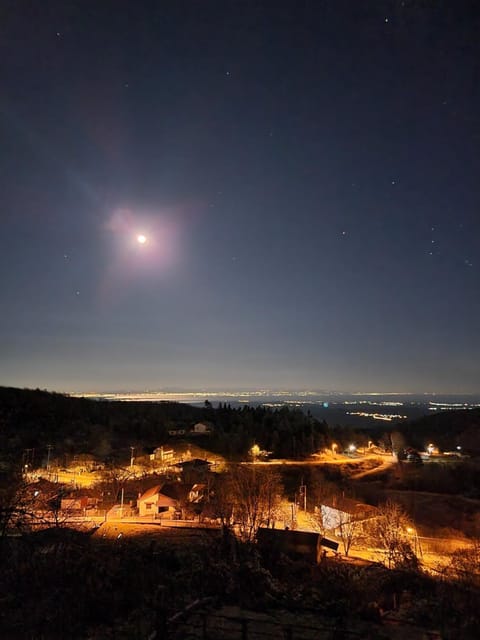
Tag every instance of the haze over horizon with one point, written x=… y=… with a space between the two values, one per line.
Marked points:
x=241 y=195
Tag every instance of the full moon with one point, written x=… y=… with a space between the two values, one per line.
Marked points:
x=141 y=239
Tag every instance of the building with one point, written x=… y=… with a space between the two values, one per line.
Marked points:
x=194 y=470
x=172 y=500
x=296 y=544
x=163 y=455
x=176 y=433
x=337 y=511
x=156 y=504
x=78 y=503
x=202 y=429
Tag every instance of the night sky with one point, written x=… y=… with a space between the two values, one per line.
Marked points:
x=306 y=176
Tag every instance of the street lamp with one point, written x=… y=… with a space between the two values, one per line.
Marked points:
x=255 y=451
x=334 y=448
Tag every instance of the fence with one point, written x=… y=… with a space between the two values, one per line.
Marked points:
x=211 y=626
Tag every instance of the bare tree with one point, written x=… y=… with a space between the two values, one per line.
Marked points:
x=114 y=479
x=349 y=530
x=17 y=505
x=256 y=493
x=391 y=530
x=49 y=508
x=220 y=501
x=320 y=490
x=464 y=566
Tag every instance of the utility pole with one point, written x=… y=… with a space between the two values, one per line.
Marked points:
x=303 y=493
x=132 y=449
x=49 y=449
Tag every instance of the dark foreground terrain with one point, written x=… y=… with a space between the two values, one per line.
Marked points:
x=60 y=583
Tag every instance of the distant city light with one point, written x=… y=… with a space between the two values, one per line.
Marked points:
x=387 y=417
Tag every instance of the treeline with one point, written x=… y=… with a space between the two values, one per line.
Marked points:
x=284 y=432
x=32 y=419
x=447 y=430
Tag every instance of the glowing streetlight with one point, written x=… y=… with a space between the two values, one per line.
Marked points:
x=254 y=452
x=352 y=448
x=334 y=448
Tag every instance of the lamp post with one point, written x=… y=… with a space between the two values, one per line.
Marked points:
x=254 y=451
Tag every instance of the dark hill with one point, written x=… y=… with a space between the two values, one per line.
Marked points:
x=447 y=430
x=35 y=418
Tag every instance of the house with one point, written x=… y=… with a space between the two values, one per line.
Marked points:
x=177 y=432
x=297 y=544
x=154 y=503
x=162 y=454
x=78 y=503
x=201 y=429
x=337 y=511
x=171 y=500
x=194 y=470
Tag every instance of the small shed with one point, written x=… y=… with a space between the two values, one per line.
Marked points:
x=307 y=545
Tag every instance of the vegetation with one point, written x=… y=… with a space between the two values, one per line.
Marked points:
x=77 y=585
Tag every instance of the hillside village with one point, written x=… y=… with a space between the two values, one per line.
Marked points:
x=352 y=505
